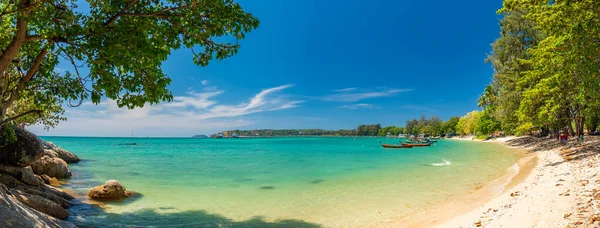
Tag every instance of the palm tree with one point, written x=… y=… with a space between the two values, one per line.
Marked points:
x=488 y=98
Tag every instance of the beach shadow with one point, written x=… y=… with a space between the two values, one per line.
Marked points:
x=199 y=218
x=578 y=151
x=581 y=151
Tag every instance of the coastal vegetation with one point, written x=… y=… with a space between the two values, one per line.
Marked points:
x=547 y=70
x=424 y=125
x=361 y=130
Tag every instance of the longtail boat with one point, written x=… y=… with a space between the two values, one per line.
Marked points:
x=394 y=146
x=416 y=144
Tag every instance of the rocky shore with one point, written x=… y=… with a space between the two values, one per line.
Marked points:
x=29 y=173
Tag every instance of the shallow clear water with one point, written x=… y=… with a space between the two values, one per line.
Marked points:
x=289 y=182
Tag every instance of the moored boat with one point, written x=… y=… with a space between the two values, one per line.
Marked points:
x=394 y=146
x=416 y=144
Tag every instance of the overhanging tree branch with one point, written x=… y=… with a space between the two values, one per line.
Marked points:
x=116 y=16
x=11 y=51
x=30 y=73
x=10 y=119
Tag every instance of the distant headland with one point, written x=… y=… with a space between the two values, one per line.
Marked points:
x=361 y=130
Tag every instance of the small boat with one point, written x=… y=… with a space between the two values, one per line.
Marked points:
x=416 y=144
x=394 y=146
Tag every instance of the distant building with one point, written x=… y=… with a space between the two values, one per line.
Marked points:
x=220 y=135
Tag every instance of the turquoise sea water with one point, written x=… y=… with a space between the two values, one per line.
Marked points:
x=287 y=182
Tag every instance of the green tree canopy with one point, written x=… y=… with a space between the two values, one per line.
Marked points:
x=449 y=126
x=504 y=94
x=434 y=126
x=467 y=123
x=563 y=83
x=486 y=123
x=121 y=42
x=392 y=130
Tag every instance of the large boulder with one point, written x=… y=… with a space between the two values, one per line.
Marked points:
x=13 y=213
x=54 y=151
x=24 y=151
x=111 y=190
x=51 y=166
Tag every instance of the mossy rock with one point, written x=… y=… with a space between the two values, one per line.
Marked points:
x=23 y=150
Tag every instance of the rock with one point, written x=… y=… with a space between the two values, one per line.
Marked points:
x=111 y=190
x=53 y=167
x=49 y=180
x=61 y=198
x=24 y=151
x=23 y=174
x=41 y=204
x=13 y=213
x=54 y=151
x=48 y=145
x=45 y=191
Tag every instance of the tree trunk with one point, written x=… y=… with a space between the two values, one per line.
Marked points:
x=9 y=53
x=570 y=130
x=593 y=124
x=579 y=125
x=3 y=109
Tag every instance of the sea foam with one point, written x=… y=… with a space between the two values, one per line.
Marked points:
x=443 y=163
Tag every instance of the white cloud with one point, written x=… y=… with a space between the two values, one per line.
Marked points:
x=356 y=106
x=259 y=103
x=357 y=96
x=344 y=90
x=204 y=82
x=195 y=100
x=187 y=115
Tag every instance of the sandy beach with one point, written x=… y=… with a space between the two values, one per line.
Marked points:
x=561 y=189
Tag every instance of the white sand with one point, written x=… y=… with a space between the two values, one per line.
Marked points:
x=557 y=193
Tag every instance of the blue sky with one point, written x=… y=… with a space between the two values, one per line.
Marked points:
x=320 y=64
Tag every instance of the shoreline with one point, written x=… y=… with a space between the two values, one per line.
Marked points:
x=468 y=185
x=543 y=188
x=439 y=215
x=556 y=192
